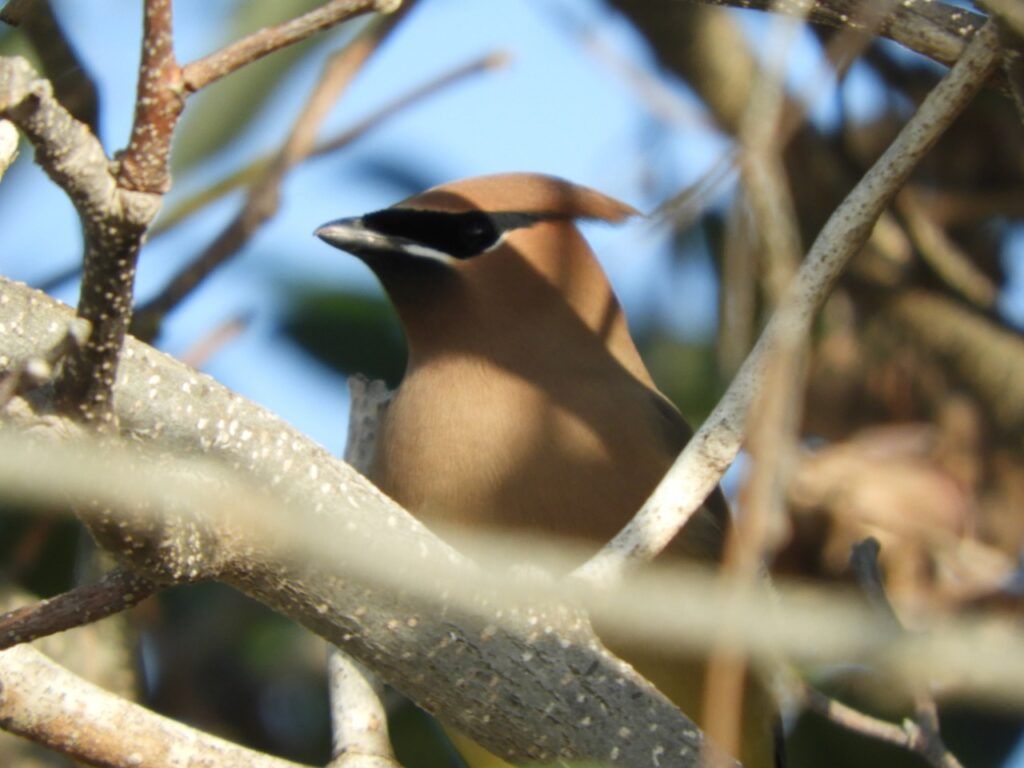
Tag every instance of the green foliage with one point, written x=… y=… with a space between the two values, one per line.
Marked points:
x=14 y=44
x=686 y=372
x=419 y=740
x=349 y=332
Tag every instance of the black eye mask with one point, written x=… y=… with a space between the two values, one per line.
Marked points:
x=459 y=235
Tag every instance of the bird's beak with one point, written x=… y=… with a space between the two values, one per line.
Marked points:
x=349 y=235
x=354 y=236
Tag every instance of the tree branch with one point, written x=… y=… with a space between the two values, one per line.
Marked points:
x=943 y=255
x=761 y=527
x=42 y=701
x=115 y=592
x=909 y=735
x=985 y=357
x=462 y=661
x=360 y=723
x=934 y=29
x=113 y=221
x=264 y=196
x=1009 y=17
x=65 y=148
x=1011 y=12
x=145 y=162
x=200 y=73
x=920 y=735
x=700 y=466
x=271 y=513
x=114 y=234
x=73 y=85
x=255 y=170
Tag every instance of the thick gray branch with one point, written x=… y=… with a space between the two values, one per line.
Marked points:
x=531 y=684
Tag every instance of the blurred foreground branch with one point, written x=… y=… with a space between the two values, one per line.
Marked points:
x=246 y=515
x=269 y=512
x=712 y=449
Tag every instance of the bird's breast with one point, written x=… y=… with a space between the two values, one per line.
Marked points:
x=467 y=442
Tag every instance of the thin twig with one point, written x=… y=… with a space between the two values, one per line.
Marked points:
x=841 y=51
x=145 y=163
x=254 y=170
x=200 y=73
x=263 y=199
x=490 y=62
x=685 y=207
x=920 y=735
x=661 y=100
x=117 y=591
x=737 y=302
x=200 y=353
x=909 y=735
x=950 y=263
x=985 y=356
x=864 y=564
x=950 y=207
x=699 y=467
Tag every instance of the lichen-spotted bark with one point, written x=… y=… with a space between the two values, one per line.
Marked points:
x=114 y=221
x=529 y=682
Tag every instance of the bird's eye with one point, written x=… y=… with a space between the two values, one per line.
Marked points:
x=459 y=235
x=476 y=235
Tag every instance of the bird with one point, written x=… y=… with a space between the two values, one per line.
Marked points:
x=525 y=405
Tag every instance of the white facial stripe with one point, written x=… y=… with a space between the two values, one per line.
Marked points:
x=423 y=251
x=499 y=241
x=426 y=252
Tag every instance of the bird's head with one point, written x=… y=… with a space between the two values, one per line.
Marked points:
x=463 y=220
x=491 y=262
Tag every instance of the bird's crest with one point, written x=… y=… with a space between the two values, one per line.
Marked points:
x=548 y=197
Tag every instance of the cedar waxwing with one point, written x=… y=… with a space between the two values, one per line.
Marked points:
x=525 y=404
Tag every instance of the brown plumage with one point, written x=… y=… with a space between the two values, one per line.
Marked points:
x=525 y=404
